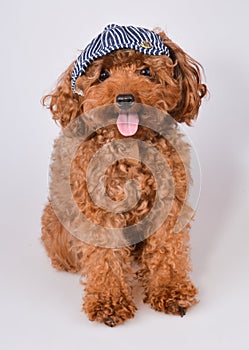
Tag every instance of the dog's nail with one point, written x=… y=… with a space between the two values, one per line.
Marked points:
x=109 y=322
x=182 y=311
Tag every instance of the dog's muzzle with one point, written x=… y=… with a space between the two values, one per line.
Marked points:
x=127 y=122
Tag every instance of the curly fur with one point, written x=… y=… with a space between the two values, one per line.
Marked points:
x=174 y=87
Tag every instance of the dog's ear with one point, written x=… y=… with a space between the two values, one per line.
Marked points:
x=187 y=72
x=62 y=102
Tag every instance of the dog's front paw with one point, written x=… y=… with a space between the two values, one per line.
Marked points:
x=108 y=309
x=173 y=299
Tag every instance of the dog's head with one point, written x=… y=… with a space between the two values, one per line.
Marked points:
x=171 y=83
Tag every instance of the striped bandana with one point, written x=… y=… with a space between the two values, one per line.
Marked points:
x=115 y=37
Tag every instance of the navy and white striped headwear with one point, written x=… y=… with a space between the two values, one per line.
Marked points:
x=115 y=37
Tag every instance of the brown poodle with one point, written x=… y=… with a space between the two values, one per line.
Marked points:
x=126 y=79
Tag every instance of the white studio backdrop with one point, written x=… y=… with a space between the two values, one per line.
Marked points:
x=40 y=307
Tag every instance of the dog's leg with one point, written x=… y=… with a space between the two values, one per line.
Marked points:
x=108 y=297
x=59 y=243
x=166 y=266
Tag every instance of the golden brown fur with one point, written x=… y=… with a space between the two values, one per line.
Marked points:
x=174 y=87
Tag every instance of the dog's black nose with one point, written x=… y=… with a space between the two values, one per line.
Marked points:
x=125 y=101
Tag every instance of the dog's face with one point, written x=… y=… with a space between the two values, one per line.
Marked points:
x=171 y=84
x=127 y=78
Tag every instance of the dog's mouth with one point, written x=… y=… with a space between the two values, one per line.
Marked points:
x=127 y=123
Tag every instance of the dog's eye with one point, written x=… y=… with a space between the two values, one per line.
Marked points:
x=104 y=75
x=146 y=72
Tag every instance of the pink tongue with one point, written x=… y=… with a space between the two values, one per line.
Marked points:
x=127 y=123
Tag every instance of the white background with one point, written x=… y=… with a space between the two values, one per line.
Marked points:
x=40 y=307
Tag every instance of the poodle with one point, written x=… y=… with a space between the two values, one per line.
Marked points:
x=147 y=85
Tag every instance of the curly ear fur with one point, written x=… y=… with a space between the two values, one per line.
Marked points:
x=62 y=102
x=187 y=72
